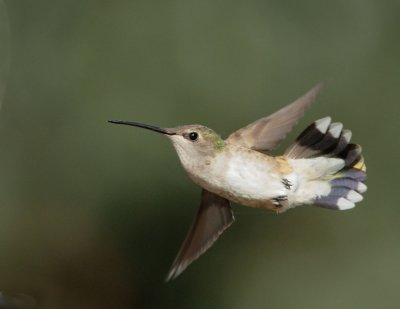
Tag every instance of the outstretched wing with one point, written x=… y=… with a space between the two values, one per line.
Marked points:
x=268 y=132
x=213 y=217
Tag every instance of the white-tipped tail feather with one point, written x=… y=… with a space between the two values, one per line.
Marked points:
x=344 y=204
x=331 y=170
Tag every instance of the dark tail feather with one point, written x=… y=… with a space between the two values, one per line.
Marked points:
x=326 y=139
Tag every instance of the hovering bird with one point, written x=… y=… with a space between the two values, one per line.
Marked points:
x=321 y=168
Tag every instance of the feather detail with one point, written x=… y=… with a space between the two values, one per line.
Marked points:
x=333 y=184
x=268 y=132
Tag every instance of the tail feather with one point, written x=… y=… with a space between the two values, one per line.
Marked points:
x=326 y=139
x=356 y=174
x=330 y=140
x=305 y=145
x=351 y=154
x=349 y=183
x=344 y=140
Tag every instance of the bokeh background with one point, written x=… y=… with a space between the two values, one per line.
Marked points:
x=92 y=215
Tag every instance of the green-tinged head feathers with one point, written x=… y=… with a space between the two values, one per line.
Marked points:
x=195 y=144
x=214 y=138
x=197 y=136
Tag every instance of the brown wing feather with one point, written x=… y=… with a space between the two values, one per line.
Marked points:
x=213 y=217
x=268 y=132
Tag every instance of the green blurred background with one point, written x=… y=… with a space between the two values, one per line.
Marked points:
x=92 y=215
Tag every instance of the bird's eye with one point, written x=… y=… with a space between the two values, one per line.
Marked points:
x=193 y=136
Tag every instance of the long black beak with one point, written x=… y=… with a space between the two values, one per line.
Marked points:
x=142 y=125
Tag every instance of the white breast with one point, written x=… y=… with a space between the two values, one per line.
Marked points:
x=249 y=178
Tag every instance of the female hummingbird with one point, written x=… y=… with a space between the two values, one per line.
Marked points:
x=321 y=168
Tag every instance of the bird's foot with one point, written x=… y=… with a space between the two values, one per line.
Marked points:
x=280 y=200
x=286 y=182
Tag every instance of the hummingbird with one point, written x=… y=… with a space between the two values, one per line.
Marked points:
x=321 y=168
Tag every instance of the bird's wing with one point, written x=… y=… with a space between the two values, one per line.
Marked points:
x=213 y=217
x=267 y=133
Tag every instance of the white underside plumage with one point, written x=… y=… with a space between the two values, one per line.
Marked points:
x=251 y=179
x=254 y=179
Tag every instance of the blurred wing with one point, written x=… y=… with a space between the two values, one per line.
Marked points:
x=268 y=132
x=213 y=217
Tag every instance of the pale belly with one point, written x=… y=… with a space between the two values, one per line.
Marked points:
x=248 y=181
